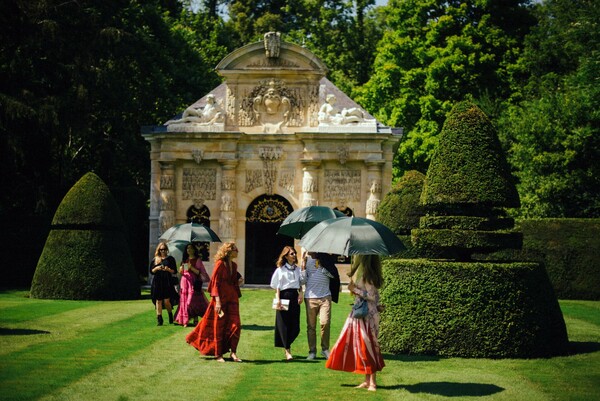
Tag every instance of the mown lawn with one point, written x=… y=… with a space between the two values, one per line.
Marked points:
x=75 y=350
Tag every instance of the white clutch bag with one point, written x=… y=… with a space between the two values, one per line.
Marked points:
x=285 y=304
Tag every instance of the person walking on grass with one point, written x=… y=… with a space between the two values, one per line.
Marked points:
x=357 y=349
x=220 y=328
x=322 y=287
x=288 y=285
x=162 y=290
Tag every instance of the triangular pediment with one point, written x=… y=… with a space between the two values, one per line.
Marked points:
x=255 y=57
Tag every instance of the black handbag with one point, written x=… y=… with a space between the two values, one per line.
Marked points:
x=197 y=286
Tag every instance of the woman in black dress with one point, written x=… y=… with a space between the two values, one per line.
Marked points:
x=163 y=267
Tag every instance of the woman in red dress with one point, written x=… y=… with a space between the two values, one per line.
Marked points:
x=219 y=330
x=357 y=348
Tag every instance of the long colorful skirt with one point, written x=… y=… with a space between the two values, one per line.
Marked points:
x=357 y=349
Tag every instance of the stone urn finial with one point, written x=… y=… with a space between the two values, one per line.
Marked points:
x=272 y=44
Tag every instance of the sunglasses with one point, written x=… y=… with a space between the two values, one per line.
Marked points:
x=292 y=253
x=163 y=249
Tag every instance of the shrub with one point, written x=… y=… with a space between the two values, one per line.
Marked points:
x=400 y=208
x=86 y=255
x=569 y=248
x=498 y=310
x=468 y=184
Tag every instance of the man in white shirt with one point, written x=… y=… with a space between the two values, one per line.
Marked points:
x=322 y=286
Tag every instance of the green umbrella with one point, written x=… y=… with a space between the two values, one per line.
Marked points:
x=297 y=223
x=190 y=232
x=351 y=236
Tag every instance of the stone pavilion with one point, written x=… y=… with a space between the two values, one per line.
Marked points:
x=275 y=136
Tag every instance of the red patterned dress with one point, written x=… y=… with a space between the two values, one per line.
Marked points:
x=215 y=335
x=357 y=348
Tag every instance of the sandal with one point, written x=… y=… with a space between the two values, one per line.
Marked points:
x=220 y=359
x=235 y=358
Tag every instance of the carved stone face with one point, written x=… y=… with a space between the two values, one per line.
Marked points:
x=272 y=101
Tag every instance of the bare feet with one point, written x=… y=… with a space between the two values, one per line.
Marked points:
x=363 y=385
x=372 y=387
x=235 y=358
x=220 y=358
x=288 y=355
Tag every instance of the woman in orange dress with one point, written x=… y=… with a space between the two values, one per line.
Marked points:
x=219 y=330
x=357 y=348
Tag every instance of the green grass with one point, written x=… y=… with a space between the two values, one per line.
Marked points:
x=82 y=350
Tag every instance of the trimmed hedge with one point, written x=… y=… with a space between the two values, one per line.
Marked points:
x=86 y=255
x=469 y=166
x=492 y=310
x=570 y=250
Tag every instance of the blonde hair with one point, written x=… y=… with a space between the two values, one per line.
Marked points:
x=157 y=252
x=225 y=251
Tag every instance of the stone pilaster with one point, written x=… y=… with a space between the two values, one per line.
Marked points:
x=310 y=184
x=227 y=221
x=167 y=201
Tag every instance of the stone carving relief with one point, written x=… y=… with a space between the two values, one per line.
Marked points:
x=167 y=181
x=269 y=154
x=286 y=180
x=197 y=155
x=226 y=203
x=342 y=184
x=226 y=227
x=167 y=220
x=231 y=96
x=211 y=113
x=166 y=200
x=254 y=179
x=272 y=41
x=313 y=106
x=343 y=153
x=199 y=183
x=272 y=106
x=309 y=184
x=330 y=114
x=228 y=183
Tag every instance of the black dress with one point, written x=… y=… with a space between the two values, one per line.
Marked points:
x=162 y=283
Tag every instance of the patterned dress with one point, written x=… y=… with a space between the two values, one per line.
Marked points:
x=357 y=348
x=215 y=335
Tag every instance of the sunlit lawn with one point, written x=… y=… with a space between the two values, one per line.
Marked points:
x=72 y=350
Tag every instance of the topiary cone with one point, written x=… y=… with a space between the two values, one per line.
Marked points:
x=86 y=255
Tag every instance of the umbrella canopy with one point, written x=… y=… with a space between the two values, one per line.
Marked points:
x=300 y=221
x=190 y=232
x=352 y=236
x=176 y=249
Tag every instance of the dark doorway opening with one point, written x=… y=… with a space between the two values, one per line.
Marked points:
x=263 y=245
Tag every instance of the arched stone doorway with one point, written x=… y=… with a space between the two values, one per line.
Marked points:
x=263 y=218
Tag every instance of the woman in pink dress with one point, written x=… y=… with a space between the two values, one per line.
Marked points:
x=192 y=301
x=357 y=348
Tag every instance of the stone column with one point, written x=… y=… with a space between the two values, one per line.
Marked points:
x=374 y=185
x=167 y=197
x=310 y=184
x=227 y=221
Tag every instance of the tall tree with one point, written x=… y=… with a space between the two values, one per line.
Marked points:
x=434 y=53
x=552 y=127
x=78 y=81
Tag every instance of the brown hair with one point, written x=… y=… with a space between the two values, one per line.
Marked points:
x=281 y=260
x=225 y=251
x=370 y=268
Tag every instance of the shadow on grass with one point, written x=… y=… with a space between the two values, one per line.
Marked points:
x=446 y=389
x=282 y=361
x=582 y=347
x=256 y=327
x=20 y=332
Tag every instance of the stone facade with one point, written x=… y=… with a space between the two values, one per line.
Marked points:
x=275 y=127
